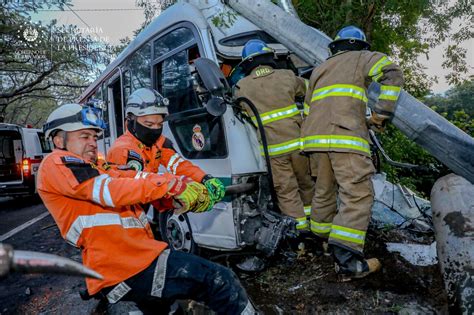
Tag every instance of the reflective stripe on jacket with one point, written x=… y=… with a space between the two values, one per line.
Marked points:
x=336 y=99
x=273 y=92
x=96 y=209
x=129 y=150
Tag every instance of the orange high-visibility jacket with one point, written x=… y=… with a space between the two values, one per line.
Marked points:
x=96 y=209
x=130 y=151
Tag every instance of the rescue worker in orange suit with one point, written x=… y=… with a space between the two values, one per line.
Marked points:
x=335 y=134
x=97 y=209
x=274 y=92
x=144 y=148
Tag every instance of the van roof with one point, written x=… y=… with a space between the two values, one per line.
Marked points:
x=5 y=126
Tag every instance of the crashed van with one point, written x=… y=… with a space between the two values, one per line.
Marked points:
x=163 y=57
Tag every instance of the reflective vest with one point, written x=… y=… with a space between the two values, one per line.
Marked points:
x=96 y=209
x=336 y=99
x=128 y=150
x=273 y=92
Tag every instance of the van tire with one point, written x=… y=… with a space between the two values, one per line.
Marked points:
x=176 y=231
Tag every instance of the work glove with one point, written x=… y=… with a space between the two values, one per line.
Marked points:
x=187 y=195
x=215 y=188
x=376 y=122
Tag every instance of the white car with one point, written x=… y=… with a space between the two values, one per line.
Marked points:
x=21 y=152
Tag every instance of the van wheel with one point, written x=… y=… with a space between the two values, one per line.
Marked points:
x=176 y=231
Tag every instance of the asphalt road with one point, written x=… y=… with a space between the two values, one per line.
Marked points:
x=38 y=293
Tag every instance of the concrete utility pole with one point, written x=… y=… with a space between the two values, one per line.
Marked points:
x=443 y=140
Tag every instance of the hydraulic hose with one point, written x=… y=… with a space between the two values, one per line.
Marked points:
x=263 y=137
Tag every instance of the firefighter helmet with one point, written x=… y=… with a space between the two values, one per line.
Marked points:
x=349 y=38
x=255 y=47
x=72 y=117
x=146 y=101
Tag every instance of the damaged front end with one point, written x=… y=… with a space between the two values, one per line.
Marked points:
x=256 y=224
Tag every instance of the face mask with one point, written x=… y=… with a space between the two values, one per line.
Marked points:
x=146 y=135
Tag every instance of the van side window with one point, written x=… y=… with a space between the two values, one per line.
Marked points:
x=175 y=82
x=127 y=85
x=45 y=145
x=105 y=99
x=179 y=37
x=139 y=65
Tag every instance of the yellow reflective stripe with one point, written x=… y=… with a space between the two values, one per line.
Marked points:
x=306 y=109
x=283 y=147
x=322 y=228
x=348 y=90
x=277 y=114
x=307 y=210
x=301 y=223
x=347 y=234
x=389 y=92
x=336 y=142
x=376 y=71
x=306 y=83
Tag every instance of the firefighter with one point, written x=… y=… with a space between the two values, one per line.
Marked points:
x=97 y=209
x=335 y=133
x=274 y=92
x=144 y=148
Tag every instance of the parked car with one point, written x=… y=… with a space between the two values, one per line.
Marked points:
x=21 y=152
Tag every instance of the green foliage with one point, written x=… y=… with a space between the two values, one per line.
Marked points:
x=224 y=19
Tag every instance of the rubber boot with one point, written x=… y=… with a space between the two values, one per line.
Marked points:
x=350 y=266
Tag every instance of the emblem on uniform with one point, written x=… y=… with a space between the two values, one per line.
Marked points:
x=135 y=165
x=134 y=160
x=198 y=139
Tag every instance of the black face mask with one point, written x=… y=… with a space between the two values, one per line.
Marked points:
x=146 y=135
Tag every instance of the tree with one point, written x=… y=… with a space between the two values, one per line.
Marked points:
x=43 y=61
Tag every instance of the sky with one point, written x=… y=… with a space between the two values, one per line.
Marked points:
x=112 y=20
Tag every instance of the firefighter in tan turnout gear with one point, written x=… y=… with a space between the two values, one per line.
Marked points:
x=273 y=92
x=335 y=132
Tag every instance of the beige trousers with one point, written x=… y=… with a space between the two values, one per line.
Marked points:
x=348 y=176
x=294 y=186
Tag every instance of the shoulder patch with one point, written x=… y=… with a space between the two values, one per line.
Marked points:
x=134 y=155
x=71 y=159
x=82 y=171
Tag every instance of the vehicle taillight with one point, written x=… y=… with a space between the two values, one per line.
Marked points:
x=26 y=166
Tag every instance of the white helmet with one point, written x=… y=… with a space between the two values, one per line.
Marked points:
x=72 y=117
x=146 y=101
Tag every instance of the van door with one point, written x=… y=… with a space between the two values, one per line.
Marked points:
x=11 y=154
x=115 y=108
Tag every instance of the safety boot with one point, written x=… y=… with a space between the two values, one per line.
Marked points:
x=351 y=266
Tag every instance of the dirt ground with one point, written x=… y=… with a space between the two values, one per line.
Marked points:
x=307 y=284
x=293 y=283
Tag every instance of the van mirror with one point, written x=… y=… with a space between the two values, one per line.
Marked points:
x=212 y=77
x=216 y=106
x=211 y=86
